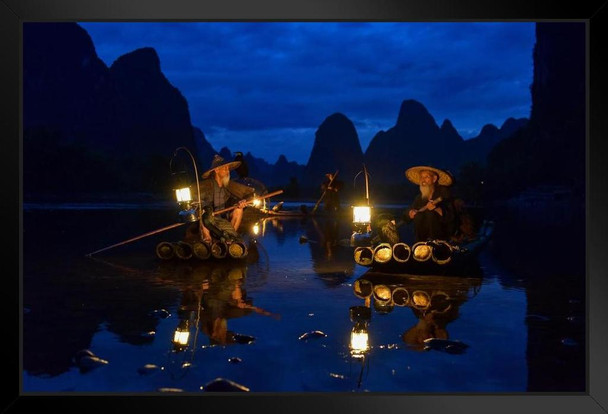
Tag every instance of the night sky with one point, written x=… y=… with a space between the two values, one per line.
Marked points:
x=265 y=87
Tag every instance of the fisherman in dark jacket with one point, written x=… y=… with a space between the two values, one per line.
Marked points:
x=432 y=210
x=218 y=191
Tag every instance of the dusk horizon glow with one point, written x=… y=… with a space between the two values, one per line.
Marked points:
x=265 y=87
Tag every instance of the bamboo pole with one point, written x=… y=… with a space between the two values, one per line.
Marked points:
x=323 y=195
x=136 y=238
x=173 y=226
x=249 y=201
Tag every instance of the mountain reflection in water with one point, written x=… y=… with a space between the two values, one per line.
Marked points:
x=168 y=326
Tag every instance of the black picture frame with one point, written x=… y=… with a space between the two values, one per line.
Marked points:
x=595 y=13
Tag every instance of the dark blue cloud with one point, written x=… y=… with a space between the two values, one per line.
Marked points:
x=265 y=87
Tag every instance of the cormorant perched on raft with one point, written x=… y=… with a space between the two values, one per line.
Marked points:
x=242 y=170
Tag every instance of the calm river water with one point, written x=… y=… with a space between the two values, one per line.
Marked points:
x=519 y=328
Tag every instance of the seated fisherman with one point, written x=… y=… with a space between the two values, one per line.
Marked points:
x=219 y=192
x=431 y=211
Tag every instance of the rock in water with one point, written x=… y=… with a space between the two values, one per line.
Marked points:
x=224 y=385
x=161 y=313
x=243 y=339
x=147 y=369
x=89 y=363
x=312 y=335
x=86 y=360
x=445 y=345
x=168 y=389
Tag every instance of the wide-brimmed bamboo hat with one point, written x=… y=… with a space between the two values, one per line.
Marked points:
x=217 y=162
x=413 y=174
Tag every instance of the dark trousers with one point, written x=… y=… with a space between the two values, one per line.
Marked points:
x=428 y=225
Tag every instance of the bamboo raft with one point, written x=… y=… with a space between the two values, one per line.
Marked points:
x=433 y=257
x=199 y=250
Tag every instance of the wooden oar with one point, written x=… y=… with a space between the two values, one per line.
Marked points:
x=323 y=195
x=174 y=225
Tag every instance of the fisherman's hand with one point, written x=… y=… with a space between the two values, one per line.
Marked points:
x=206 y=234
x=241 y=204
x=430 y=205
x=412 y=213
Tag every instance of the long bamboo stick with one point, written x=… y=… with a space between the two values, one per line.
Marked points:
x=173 y=226
x=137 y=238
x=323 y=195
x=260 y=197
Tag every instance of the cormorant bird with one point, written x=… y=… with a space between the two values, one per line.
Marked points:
x=243 y=169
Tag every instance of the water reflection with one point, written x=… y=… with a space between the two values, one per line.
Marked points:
x=434 y=300
x=137 y=313
x=214 y=294
x=331 y=254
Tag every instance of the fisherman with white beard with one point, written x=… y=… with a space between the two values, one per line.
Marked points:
x=219 y=192
x=431 y=211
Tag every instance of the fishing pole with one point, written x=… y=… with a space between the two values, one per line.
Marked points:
x=136 y=238
x=175 y=225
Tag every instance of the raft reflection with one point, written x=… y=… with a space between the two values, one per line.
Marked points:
x=434 y=300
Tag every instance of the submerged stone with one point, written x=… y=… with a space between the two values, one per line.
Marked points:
x=445 y=345
x=82 y=353
x=167 y=389
x=161 y=313
x=243 y=339
x=148 y=369
x=89 y=363
x=312 y=335
x=224 y=385
x=86 y=360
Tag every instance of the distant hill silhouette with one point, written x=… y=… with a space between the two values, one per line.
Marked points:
x=416 y=139
x=336 y=147
x=550 y=150
x=90 y=128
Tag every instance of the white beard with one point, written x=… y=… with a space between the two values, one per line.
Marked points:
x=426 y=191
x=225 y=180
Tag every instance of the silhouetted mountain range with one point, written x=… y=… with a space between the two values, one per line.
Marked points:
x=550 y=150
x=416 y=139
x=91 y=128
x=336 y=148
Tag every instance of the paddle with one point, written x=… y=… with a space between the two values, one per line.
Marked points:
x=323 y=195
